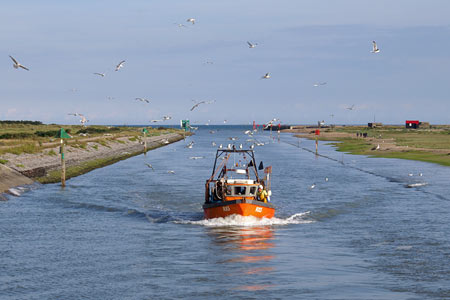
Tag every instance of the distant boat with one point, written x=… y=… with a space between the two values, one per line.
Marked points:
x=233 y=188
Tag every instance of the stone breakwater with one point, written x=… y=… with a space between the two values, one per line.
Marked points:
x=45 y=166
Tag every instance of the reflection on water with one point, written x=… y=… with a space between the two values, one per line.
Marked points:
x=249 y=246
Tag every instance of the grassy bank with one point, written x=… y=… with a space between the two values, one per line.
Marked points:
x=33 y=137
x=82 y=168
x=428 y=145
x=87 y=166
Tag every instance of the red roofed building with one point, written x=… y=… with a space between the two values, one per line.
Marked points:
x=412 y=124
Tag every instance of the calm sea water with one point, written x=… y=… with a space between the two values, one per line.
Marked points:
x=127 y=232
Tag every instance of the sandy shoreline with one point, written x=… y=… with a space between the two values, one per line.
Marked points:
x=23 y=169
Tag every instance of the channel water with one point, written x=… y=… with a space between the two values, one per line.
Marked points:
x=126 y=231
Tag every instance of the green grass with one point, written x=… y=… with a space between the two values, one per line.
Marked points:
x=430 y=140
x=52 y=153
x=103 y=143
x=441 y=159
x=20 y=166
x=3 y=161
x=24 y=148
x=354 y=146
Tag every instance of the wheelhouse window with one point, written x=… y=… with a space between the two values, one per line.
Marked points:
x=252 y=191
x=239 y=190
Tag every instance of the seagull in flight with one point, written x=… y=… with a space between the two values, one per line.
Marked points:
x=197 y=104
x=120 y=65
x=100 y=74
x=375 y=47
x=266 y=76
x=155 y=121
x=17 y=65
x=319 y=84
x=180 y=25
x=165 y=118
x=351 y=107
x=142 y=100
x=192 y=20
x=83 y=120
x=150 y=166
x=251 y=45
x=201 y=102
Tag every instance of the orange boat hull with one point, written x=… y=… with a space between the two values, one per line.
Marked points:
x=239 y=207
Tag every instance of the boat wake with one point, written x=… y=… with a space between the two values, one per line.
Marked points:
x=250 y=221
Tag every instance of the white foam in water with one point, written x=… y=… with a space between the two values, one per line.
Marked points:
x=411 y=185
x=237 y=220
x=15 y=192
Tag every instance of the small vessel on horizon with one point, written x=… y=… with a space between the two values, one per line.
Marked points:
x=235 y=186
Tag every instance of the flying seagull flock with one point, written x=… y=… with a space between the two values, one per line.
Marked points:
x=121 y=64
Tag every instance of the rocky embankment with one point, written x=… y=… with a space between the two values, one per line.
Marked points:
x=45 y=166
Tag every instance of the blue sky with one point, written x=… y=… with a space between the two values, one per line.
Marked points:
x=299 y=43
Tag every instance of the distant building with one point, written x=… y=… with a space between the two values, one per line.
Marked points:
x=414 y=124
x=374 y=125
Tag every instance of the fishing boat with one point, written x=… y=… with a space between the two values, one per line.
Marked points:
x=234 y=186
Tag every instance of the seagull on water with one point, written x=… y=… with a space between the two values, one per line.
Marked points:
x=326 y=179
x=120 y=65
x=251 y=45
x=142 y=99
x=17 y=65
x=375 y=47
x=266 y=76
x=171 y=172
x=100 y=74
x=192 y=20
x=196 y=157
x=150 y=166
x=312 y=186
